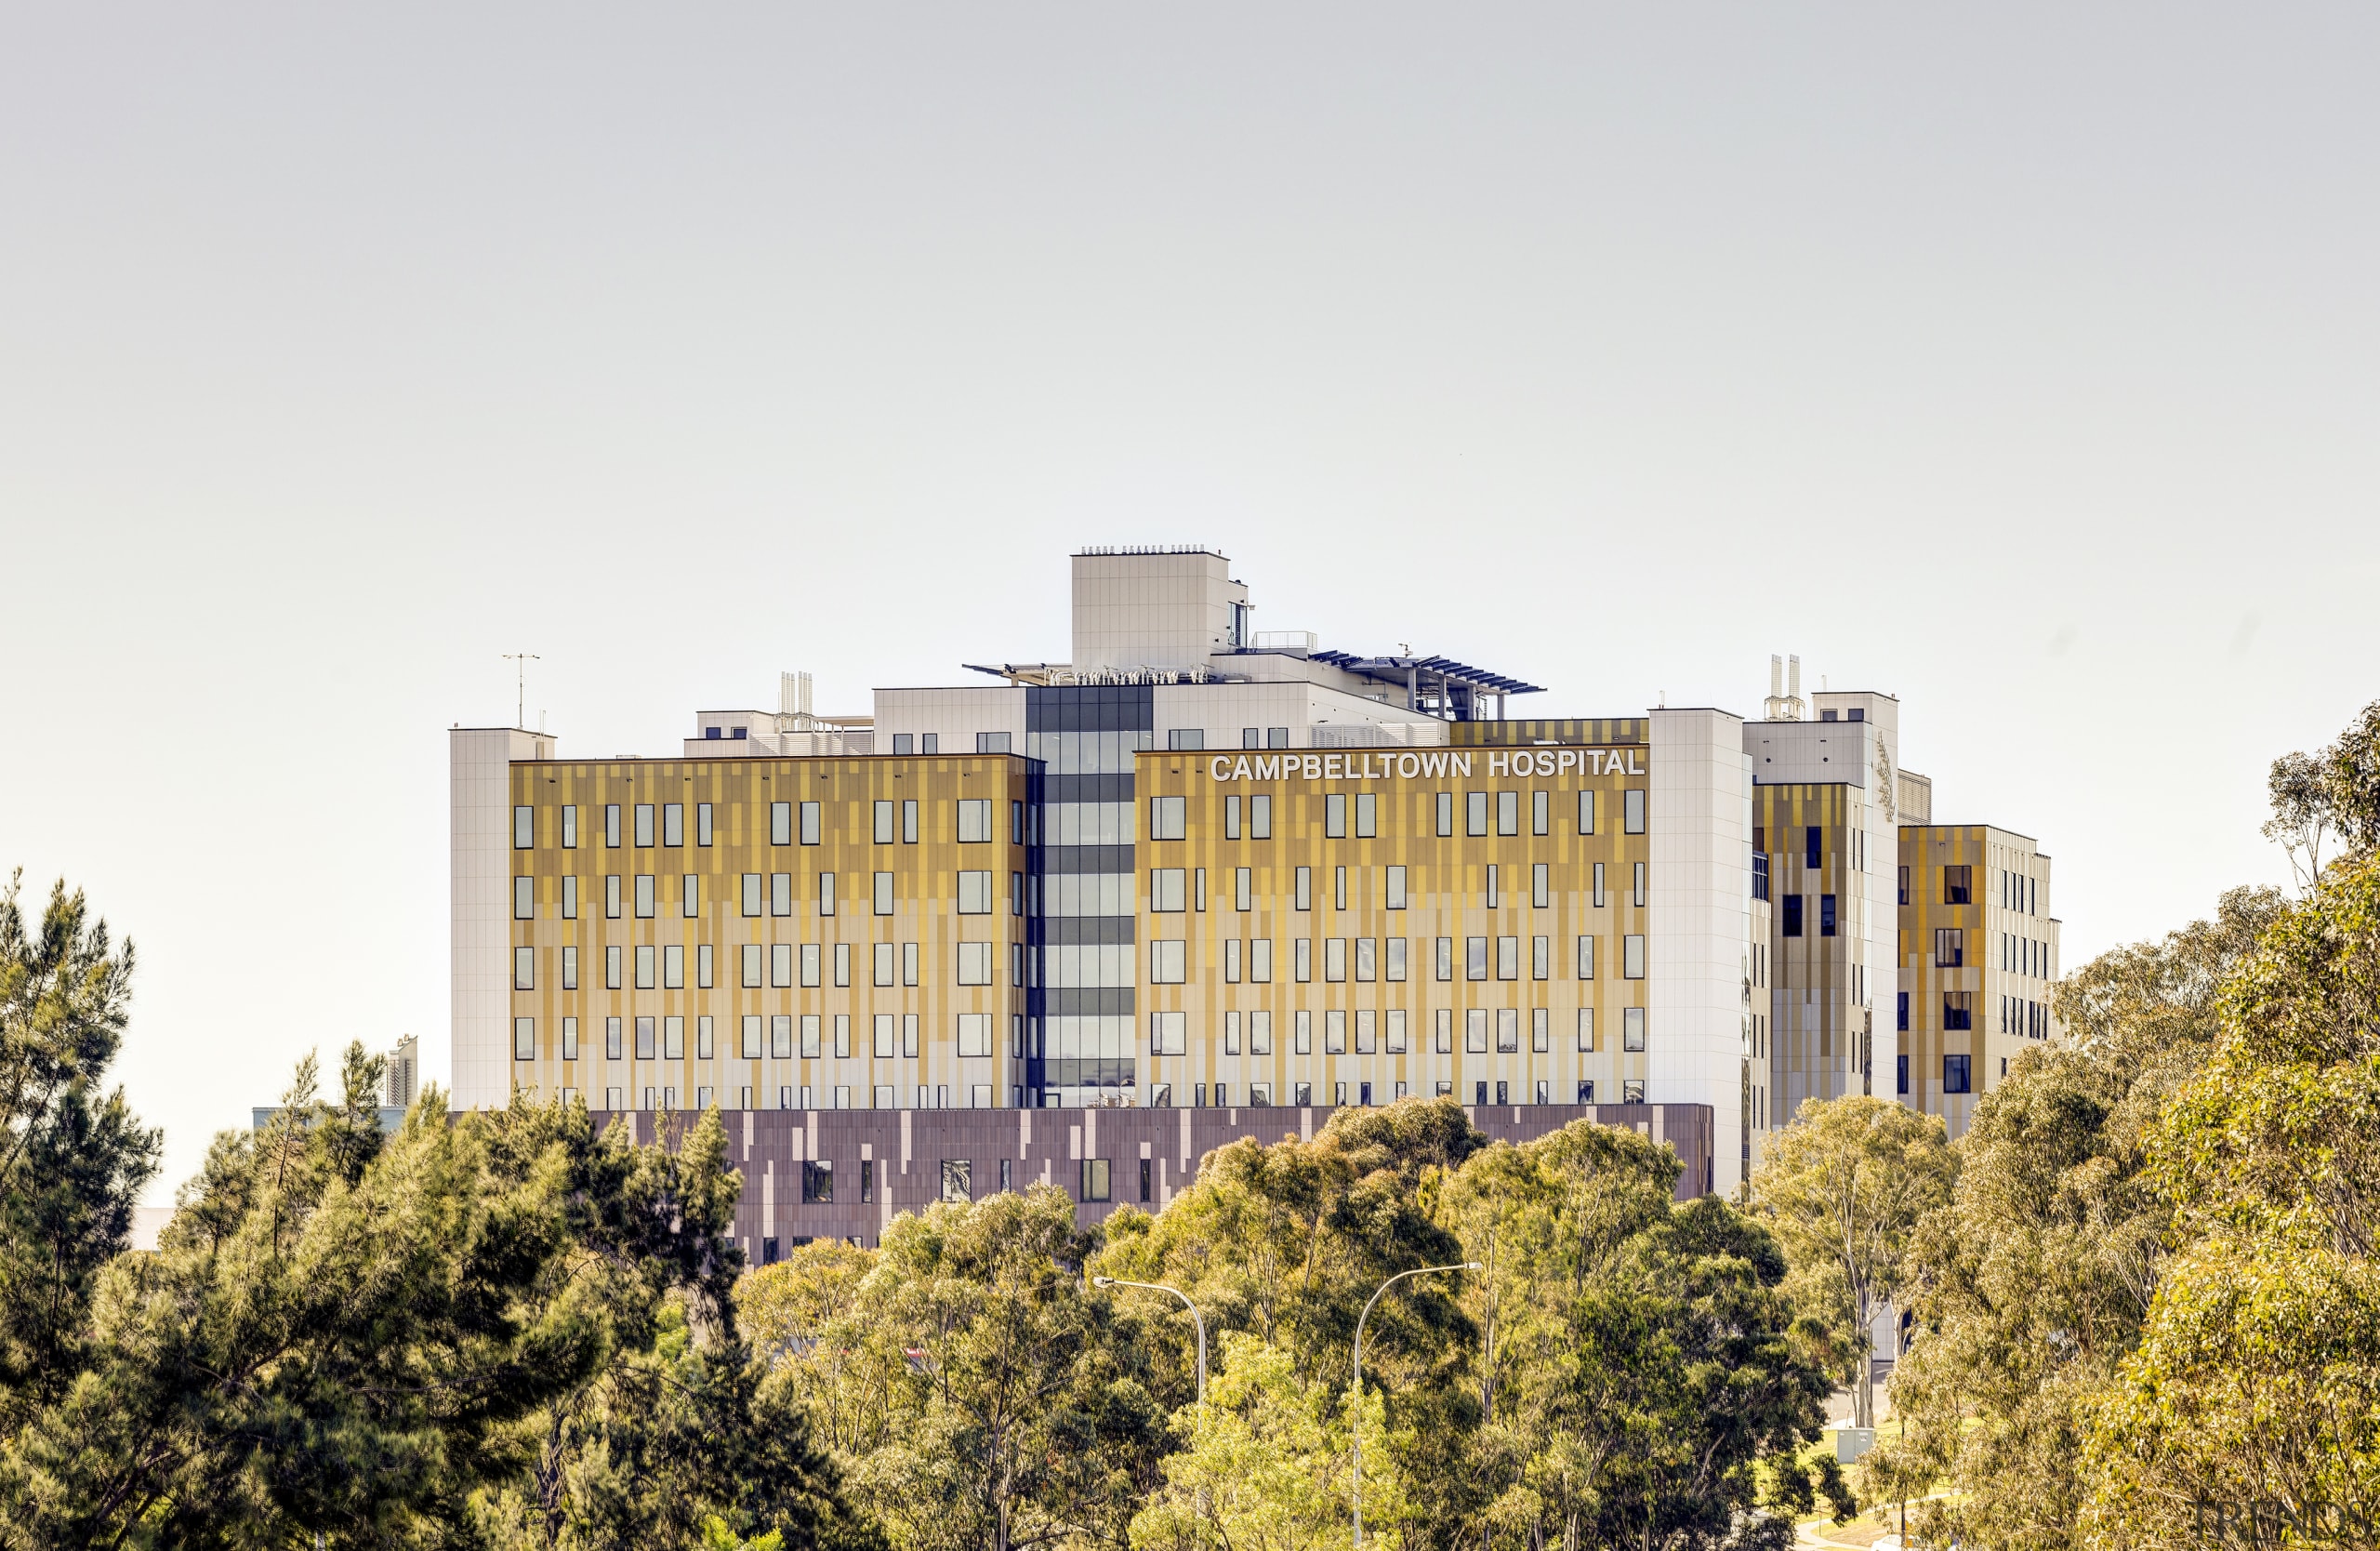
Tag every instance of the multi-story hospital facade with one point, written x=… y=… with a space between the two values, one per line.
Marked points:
x=1081 y=920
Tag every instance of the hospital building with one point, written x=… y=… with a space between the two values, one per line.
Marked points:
x=1080 y=921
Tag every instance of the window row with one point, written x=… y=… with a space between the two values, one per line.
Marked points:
x=1956 y=1074
x=664 y=967
x=762 y=894
x=1958 y=1010
x=1250 y=817
x=895 y=823
x=1261 y=1095
x=1174 y=889
x=1364 y=959
x=889 y=1037
x=2025 y=956
x=1387 y=1031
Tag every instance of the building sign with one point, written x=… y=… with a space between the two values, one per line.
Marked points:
x=1381 y=765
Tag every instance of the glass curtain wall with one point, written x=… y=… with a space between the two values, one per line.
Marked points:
x=1082 y=1034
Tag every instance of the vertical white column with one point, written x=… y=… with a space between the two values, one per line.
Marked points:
x=480 y=808
x=1698 y=913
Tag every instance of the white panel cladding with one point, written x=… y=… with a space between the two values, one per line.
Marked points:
x=955 y=713
x=480 y=905
x=1699 y=919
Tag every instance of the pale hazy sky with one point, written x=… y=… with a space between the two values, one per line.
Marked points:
x=2019 y=361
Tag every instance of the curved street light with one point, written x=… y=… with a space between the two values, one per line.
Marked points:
x=1358 y=1429
x=1195 y=1319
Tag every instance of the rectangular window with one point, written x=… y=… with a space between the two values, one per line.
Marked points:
x=570 y=828
x=1334 y=958
x=1540 y=886
x=1302 y=894
x=569 y=1043
x=1760 y=875
x=1586 y=813
x=702 y=824
x=1826 y=915
x=1301 y=953
x=1167 y=889
x=1508 y=957
x=1540 y=958
x=673 y=824
x=1903 y=1062
x=1587 y=1029
x=645 y=825
x=645 y=1043
x=1259 y=961
x=1508 y=1029
x=842 y=963
x=1791 y=926
x=1302 y=1040
x=974 y=894
x=751 y=894
x=1954 y=1074
x=811 y=1038
x=781 y=965
x=1445 y=958
x=1091 y=1182
x=1395 y=891
x=1637 y=889
x=1902 y=1017
x=673 y=967
x=1167 y=818
x=1366 y=960
x=524 y=828
x=1260 y=816
x=885 y=964
x=1586 y=958
x=524 y=1039
x=1474 y=958
x=749 y=1044
x=612 y=825
x=817 y=1182
x=1631 y=1028
x=1199 y=890
x=1243 y=888
x=1446 y=814
x=883 y=894
x=975 y=1034
x=810 y=824
x=644 y=967
x=612 y=1045
x=1813 y=843
x=1904 y=900
x=1231 y=818
x=752 y=964
x=1260 y=1033
x=1541 y=812
x=975 y=963
x=975 y=821
x=1169 y=1033
x=1339 y=888
x=1541 y=1031
x=1598 y=886
x=1958 y=888
x=991 y=743
x=1632 y=811
x=1950 y=947
x=1367 y=816
x=909 y=821
x=908 y=963
x=524 y=969
x=570 y=969
x=886 y=820
x=1632 y=958
x=524 y=898
x=1334 y=1032
x=883 y=1041
x=570 y=896
x=673 y=1038
x=1958 y=1010
x=1474 y=1031
x=1167 y=961
x=1231 y=961
x=611 y=896
x=1474 y=813
x=1334 y=816
x=1495 y=888
x=1442 y=1031
x=1397 y=1032
x=780 y=893
x=644 y=893
x=612 y=968
x=826 y=894
x=1508 y=813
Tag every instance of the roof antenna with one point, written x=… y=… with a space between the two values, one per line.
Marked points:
x=521 y=662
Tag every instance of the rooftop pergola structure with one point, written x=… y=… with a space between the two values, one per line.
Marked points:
x=1436 y=686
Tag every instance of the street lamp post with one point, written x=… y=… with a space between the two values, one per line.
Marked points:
x=1195 y=1319
x=1358 y=1427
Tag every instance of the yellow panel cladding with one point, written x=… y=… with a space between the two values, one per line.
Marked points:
x=741 y=793
x=1449 y=889
x=2005 y=949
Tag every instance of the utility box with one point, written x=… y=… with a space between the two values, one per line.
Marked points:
x=1852 y=1442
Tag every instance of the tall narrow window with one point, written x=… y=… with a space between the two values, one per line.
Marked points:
x=1474 y=813
x=524 y=827
x=1395 y=890
x=644 y=896
x=673 y=824
x=887 y=818
x=570 y=896
x=612 y=897
x=1826 y=915
x=524 y=1039
x=524 y=969
x=570 y=969
x=781 y=894
x=1508 y=813
x=1474 y=958
x=645 y=825
x=810 y=963
x=1540 y=886
x=1167 y=818
x=1586 y=1030
x=1540 y=958
x=826 y=894
x=1632 y=811
x=810 y=816
x=1334 y=816
x=702 y=824
x=644 y=966
x=883 y=894
x=1302 y=893
x=673 y=967
x=1598 y=886
x=1638 y=888
x=611 y=967
x=1587 y=812
x=701 y=966
x=1367 y=816
x=1396 y=958
x=751 y=894
x=909 y=821
x=1540 y=811
x=1631 y=1029
x=1243 y=888
x=1231 y=818
x=1632 y=958
x=781 y=822
x=1446 y=814
x=1445 y=958
x=1508 y=957
x=570 y=828
x=524 y=898
x=1260 y=816
x=1586 y=958
x=1791 y=926
x=612 y=825
x=690 y=894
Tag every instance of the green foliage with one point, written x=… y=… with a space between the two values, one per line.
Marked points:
x=2334 y=794
x=72 y=1159
x=1268 y=1462
x=977 y=1393
x=1641 y=1376
x=1843 y=1189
